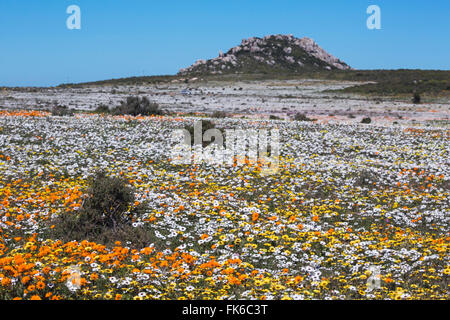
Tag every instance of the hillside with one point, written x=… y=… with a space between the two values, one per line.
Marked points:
x=271 y=54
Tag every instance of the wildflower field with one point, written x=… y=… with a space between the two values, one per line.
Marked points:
x=346 y=200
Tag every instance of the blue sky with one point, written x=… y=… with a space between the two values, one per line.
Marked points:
x=120 y=38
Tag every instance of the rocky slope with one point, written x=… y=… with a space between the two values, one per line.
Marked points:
x=271 y=54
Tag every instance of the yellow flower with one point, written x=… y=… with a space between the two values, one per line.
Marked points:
x=108 y=296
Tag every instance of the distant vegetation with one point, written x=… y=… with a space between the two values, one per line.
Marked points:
x=206 y=125
x=219 y=114
x=123 y=81
x=133 y=106
x=395 y=83
x=302 y=117
x=416 y=98
x=137 y=106
x=366 y=120
x=61 y=111
x=406 y=83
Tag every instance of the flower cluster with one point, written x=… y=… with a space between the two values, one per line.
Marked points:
x=346 y=200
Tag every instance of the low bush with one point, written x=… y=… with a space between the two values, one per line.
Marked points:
x=136 y=106
x=206 y=125
x=365 y=178
x=416 y=98
x=366 y=120
x=219 y=114
x=102 y=108
x=62 y=111
x=302 y=117
x=105 y=216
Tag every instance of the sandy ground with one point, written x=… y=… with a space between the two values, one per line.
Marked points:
x=250 y=99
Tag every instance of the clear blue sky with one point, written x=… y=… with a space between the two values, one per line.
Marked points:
x=120 y=38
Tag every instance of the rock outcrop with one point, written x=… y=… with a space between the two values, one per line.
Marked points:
x=274 y=53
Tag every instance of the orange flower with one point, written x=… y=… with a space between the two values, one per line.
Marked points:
x=316 y=218
x=36 y=297
x=40 y=285
x=6 y=282
x=233 y=280
x=255 y=216
x=94 y=276
x=25 y=279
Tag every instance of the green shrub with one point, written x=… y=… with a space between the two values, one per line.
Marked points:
x=105 y=215
x=416 y=98
x=206 y=125
x=219 y=114
x=109 y=198
x=366 y=120
x=302 y=117
x=102 y=108
x=62 y=111
x=365 y=178
x=136 y=106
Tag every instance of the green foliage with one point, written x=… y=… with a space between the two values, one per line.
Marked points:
x=416 y=98
x=105 y=215
x=302 y=117
x=206 y=125
x=102 y=108
x=109 y=198
x=62 y=111
x=136 y=106
x=145 y=80
x=219 y=114
x=397 y=82
x=366 y=120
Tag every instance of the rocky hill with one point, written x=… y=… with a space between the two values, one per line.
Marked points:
x=271 y=54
